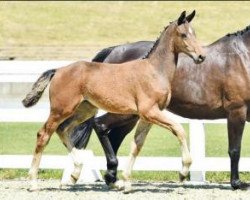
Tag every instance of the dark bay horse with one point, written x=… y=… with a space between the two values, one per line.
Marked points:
x=140 y=87
x=218 y=89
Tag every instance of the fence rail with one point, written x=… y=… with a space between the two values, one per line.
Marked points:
x=29 y=71
x=142 y=163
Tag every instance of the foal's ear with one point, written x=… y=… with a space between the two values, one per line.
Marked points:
x=190 y=17
x=181 y=19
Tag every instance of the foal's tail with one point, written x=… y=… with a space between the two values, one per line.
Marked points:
x=38 y=88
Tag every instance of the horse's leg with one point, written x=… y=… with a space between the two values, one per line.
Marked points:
x=236 y=123
x=64 y=131
x=161 y=118
x=120 y=131
x=77 y=164
x=136 y=145
x=102 y=125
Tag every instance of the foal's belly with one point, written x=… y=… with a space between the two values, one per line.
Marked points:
x=118 y=105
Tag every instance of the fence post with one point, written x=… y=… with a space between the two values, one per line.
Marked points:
x=197 y=150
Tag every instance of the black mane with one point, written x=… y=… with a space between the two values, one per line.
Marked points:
x=241 y=32
x=155 y=44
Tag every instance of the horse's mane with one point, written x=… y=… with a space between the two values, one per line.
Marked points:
x=230 y=36
x=241 y=32
x=103 y=54
x=155 y=44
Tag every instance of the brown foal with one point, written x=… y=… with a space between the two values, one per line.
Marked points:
x=141 y=87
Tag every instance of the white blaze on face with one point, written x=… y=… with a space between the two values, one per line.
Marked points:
x=190 y=30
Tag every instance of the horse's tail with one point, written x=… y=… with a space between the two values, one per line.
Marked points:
x=103 y=54
x=80 y=135
x=38 y=88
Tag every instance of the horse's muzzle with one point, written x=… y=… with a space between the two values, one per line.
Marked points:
x=199 y=59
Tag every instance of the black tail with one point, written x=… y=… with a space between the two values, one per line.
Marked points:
x=103 y=54
x=81 y=134
x=38 y=88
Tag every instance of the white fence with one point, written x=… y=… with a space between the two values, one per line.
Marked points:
x=29 y=71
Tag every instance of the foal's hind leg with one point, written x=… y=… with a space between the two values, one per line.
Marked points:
x=162 y=118
x=57 y=114
x=136 y=145
x=43 y=137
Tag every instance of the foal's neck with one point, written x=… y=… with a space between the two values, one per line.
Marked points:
x=164 y=57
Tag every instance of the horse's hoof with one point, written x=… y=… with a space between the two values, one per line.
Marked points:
x=71 y=181
x=110 y=179
x=127 y=187
x=239 y=185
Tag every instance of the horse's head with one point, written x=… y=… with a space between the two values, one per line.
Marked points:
x=185 y=40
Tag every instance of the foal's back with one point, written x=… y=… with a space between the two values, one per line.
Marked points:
x=121 y=85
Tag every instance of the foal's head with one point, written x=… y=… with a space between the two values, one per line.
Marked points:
x=185 y=39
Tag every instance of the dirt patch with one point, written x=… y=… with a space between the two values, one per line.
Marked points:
x=49 y=189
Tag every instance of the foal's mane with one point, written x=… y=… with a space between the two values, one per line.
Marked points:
x=155 y=44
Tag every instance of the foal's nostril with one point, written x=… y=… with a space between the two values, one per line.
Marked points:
x=201 y=57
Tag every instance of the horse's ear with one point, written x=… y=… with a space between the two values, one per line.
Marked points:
x=190 y=17
x=181 y=19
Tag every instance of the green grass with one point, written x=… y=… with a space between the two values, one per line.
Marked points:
x=19 y=138
x=109 y=23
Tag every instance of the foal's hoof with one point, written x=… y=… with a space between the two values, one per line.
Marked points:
x=33 y=186
x=33 y=189
x=182 y=177
x=239 y=185
x=127 y=187
x=73 y=179
x=119 y=185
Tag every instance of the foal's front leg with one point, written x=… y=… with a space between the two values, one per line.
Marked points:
x=136 y=145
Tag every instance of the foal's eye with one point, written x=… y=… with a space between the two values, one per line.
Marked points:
x=183 y=35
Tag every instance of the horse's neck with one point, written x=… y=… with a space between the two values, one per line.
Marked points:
x=246 y=40
x=163 y=57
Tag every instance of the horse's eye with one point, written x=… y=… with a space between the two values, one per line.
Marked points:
x=183 y=35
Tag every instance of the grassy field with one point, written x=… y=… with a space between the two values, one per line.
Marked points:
x=19 y=138
x=106 y=23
